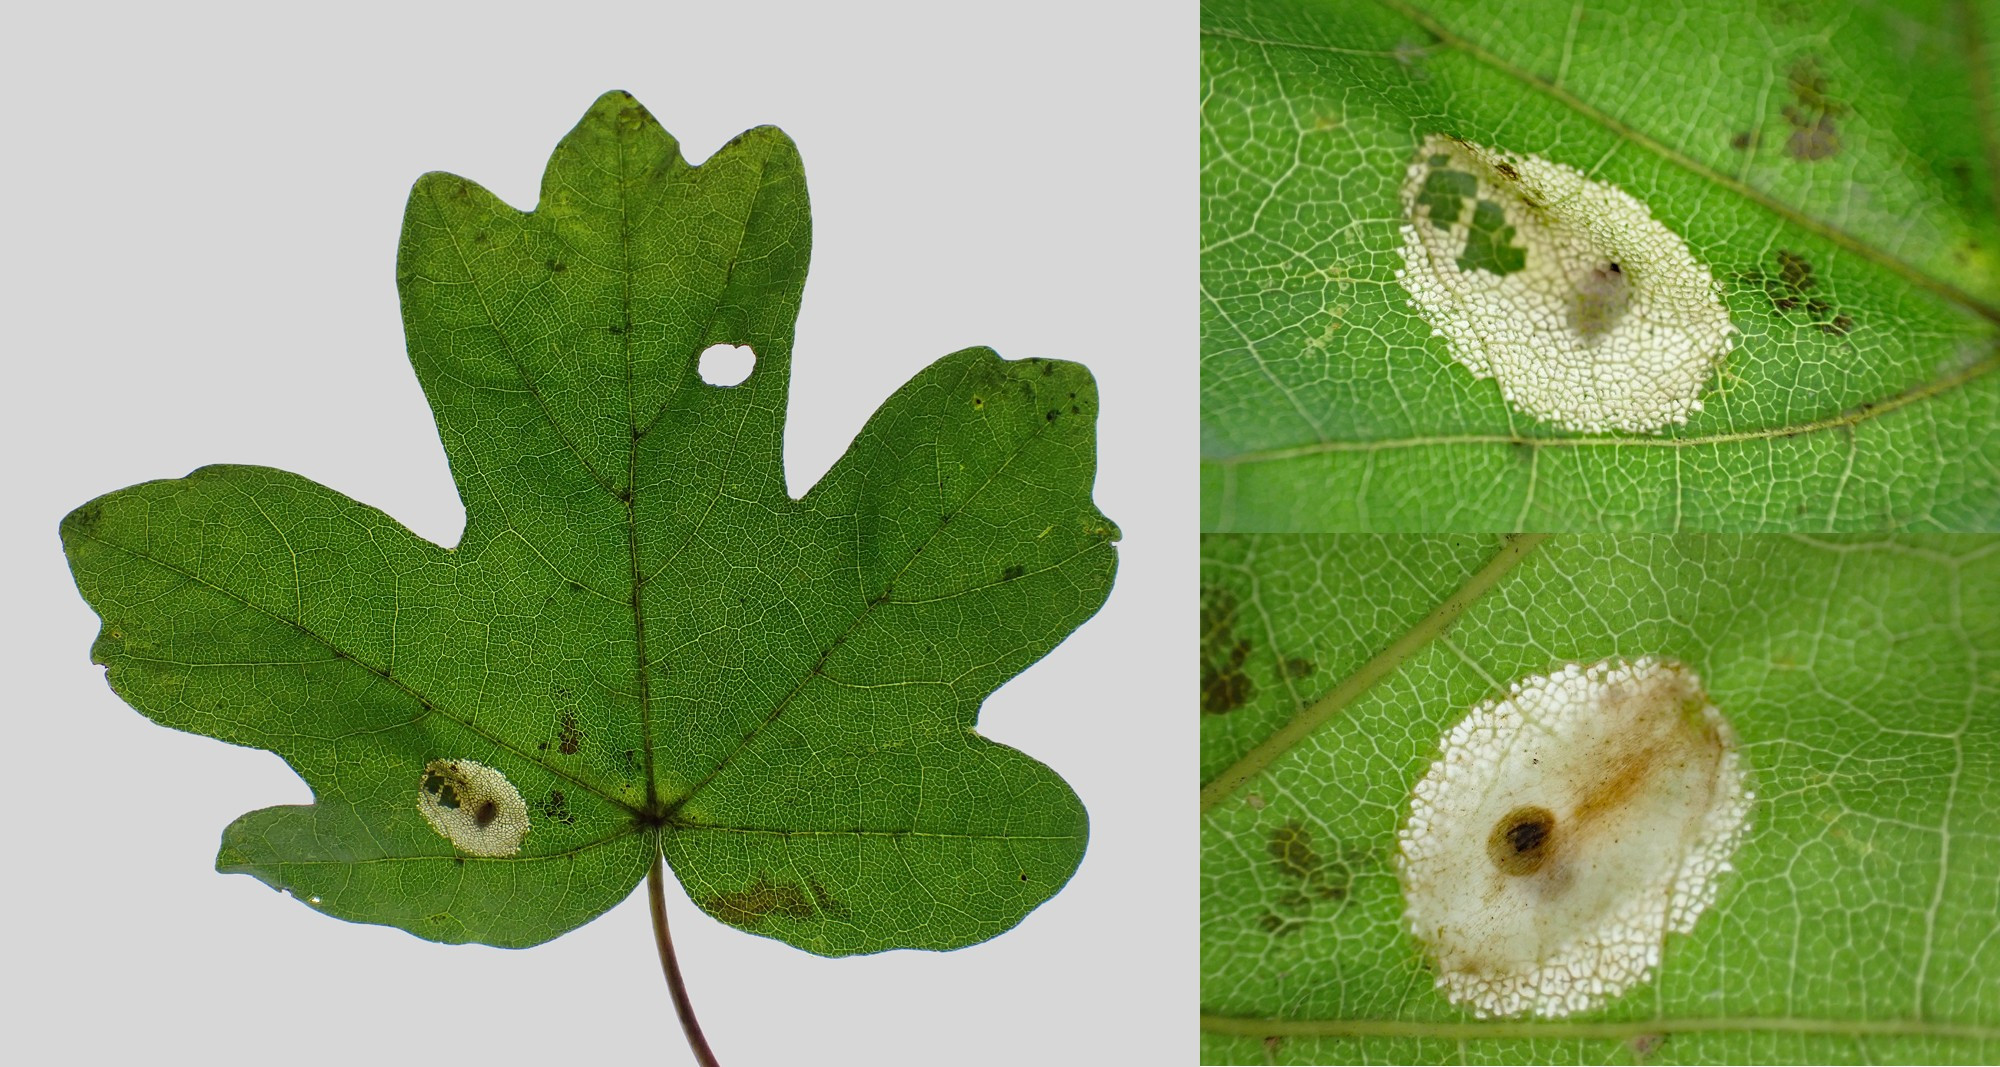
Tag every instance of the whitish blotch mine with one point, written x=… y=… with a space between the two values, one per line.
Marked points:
x=1565 y=829
x=1585 y=310
x=473 y=806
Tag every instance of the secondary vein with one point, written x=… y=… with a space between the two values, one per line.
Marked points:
x=1512 y=552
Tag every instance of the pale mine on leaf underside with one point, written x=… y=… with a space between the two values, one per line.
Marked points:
x=473 y=806
x=1565 y=829
x=1587 y=311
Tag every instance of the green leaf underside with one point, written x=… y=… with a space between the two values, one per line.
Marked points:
x=639 y=627
x=1841 y=191
x=1862 y=922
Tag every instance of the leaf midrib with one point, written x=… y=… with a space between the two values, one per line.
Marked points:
x=1515 y=549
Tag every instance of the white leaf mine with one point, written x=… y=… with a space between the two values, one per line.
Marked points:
x=1588 y=312
x=473 y=806
x=1565 y=829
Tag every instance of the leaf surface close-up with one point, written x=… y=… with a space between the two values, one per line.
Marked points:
x=1857 y=920
x=653 y=644
x=1829 y=168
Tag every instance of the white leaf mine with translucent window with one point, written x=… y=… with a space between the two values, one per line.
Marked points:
x=473 y=806
x=1588 y=312
x=1565 y=830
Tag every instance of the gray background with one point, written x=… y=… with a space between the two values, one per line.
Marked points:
x=203 y=207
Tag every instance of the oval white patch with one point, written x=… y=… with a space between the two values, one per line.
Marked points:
x=1565 y=829
x=473 y=806
x=1587 y=312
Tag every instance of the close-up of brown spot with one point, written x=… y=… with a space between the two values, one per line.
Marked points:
x=1795 y=273
x=829 y=906
x=1291 y=847
x=1812 y=113
x=1299 y=667
x=569 y=737
x=1225 y=685
x=1522 y=840
x=557 y=808
x=1793 y=288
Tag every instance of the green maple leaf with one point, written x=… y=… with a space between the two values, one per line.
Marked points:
x=1832 y=165
x=658 y=649
x=1862 y=919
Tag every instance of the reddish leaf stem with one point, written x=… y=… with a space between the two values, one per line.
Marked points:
x=683 y=1007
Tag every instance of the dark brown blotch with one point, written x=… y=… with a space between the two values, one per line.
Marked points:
x=759 y=901
x=1522 y=840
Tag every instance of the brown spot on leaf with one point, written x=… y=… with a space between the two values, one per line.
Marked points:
x=636 y=116
x=1300 y=667
x=1792 y=289
x=829 y=906
x=751 y=906
x=1812 y=113
x=568 y=737
x=1794 y=272
x=1291 y=848
x=1225 y=686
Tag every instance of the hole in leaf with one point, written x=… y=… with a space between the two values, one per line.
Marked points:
x=727 y=365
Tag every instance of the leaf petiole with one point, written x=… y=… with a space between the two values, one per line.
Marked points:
x=683 y=1007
